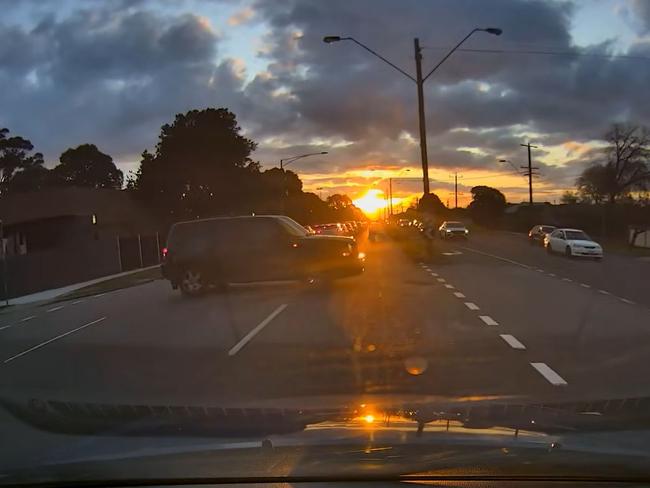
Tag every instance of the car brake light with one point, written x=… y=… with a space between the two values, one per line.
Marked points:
x=164 y=252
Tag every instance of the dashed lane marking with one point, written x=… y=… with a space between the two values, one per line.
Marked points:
x=568 y=280
x=551 y=376
x=604 y=292
x=471 y=306
x=625 y=300
x=78 y=301
x=55 y=309
x=248 y=337
x=552 y=275
x=585 y=285
x=512 y=341
x=49 y=341
x=28 y=318
x=441 y=280
x=5 y=327
x=488 y=320
x=458 y=294
x=434 y=274
x=447 y=285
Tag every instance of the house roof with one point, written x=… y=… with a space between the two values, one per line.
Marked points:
x=112 y=207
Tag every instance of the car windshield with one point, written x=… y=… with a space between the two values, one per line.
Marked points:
x=576 y=235
x=260 y=241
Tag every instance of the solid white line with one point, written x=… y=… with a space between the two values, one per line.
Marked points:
x=248 y=337
x=512 y=341
x=625 y=300
x=585 y=285
x=5 y=327
x=28 y=318
x=77 y=301
x=471 y=306
x=459 y=294
x=488 y=320
x=447 y=285
x=516 y=263
x=49 y=341
x=55 y=309
x=441 y=280
x=604 y=292
x=551 y=376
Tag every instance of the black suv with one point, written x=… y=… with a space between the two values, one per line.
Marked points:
x=538 y=232
x=217 y=251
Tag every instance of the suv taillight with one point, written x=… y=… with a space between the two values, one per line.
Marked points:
x=164 y=252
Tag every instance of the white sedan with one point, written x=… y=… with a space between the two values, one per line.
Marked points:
x=572 y=242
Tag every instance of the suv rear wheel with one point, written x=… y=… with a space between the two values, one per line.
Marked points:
x=191 y=283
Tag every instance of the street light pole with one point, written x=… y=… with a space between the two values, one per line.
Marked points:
x=284 y=162
x=419 y=81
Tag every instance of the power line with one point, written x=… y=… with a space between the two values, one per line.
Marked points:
x=630 y=57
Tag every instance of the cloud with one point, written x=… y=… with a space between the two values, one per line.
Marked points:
x=241 y=17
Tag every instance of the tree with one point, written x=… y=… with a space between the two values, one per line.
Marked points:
x=338 y=202
x=15 y=156
x=201 y=166
x=569 y=198
x=625 y=169
x=431 y=204
x=87 y=166
x=487 y=205
x=34 y=178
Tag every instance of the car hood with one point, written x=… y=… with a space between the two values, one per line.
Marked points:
x=325 y=237
x=362 y=436
x=581 y=242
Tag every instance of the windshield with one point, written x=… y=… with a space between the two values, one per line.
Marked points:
x=576 y=235
x=249 y=240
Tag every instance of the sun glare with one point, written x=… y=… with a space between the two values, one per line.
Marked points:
x=371 y=202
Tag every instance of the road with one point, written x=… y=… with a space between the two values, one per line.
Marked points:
x=490 y=316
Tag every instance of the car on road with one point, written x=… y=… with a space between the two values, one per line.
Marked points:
x=573 y=243
x=537 y=234
x=451 y=229
x=332 y=229
x=217 y=251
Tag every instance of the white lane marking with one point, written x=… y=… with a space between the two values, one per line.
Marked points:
x=552 y=275
x=28 y=318
x=55 y=309
x=516 y=263
x=471 y=306
x=49 y=341
x=458 y=294
x=78 y=301
x=441 y=280
x=551 y=376
x=99 y=295
x=585 y=285
x=539 y=270
x=454 y=253
x=568 y=280
x=248 y=337
x=5 y=327
x=512 y=341
x=447 y=285
x=488 y=320
x=434 y=274
x=604 y=292
x=625 y=300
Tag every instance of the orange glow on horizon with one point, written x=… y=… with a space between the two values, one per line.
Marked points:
x=371 y=202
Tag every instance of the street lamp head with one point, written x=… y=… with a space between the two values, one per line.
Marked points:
x=503 y=160
x=330 y=39
x=323 y=152
x=494 y=30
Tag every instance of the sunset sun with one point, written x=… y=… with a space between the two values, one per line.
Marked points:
x=371 y=202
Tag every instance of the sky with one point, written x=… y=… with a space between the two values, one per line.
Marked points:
x=112 y=72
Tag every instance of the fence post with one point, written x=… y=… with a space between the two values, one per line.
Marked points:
x=140 y=251
x=158 y=247
x=119 y=253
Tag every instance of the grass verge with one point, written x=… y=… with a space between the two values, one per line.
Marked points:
x=127 y=281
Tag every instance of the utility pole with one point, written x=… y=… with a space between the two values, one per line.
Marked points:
x=529 y=172
x=423 y=123
x=390 y=196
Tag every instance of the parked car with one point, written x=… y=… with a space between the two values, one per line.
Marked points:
x=537 y=234
x=572 y=242
x=214 y=252
x=449 y=230
x=334 y=229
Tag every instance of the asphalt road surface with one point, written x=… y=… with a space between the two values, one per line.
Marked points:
x=491 y=316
